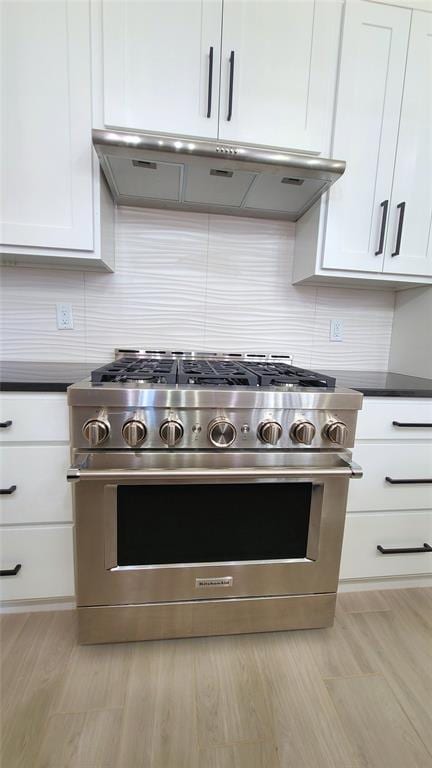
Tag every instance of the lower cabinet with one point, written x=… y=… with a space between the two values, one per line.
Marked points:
x=36 y=530
x=391 y=506
x=45 y=553
x=365 y=531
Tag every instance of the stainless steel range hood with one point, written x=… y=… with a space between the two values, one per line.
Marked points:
x=191 y=174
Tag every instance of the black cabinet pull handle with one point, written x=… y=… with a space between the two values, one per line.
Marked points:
x=11 y=571
x=10 y=490
x=384 y=206
x=403 y=550
x=411 y=424
x=231 y=85
x=210 y=82
x=406 y=480
x=5 y=424
x=401 y=207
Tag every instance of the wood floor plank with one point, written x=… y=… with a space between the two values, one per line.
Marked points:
x=19 y=663
x=405 y=662
x=97 y=678
x=307 y=728
x=26 y=713
x=159 y=723
x=10 y=627
x=376 y=724
x=81 y=740
x=359 y=602
x=246 y=755
x=232 y=701
x=334 y=651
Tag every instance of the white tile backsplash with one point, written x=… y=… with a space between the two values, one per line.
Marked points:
x=195 y=281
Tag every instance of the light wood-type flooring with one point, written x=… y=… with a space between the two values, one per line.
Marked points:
x=358 y=695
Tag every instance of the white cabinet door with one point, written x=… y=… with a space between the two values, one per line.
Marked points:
x=281 y=59
x=157 y=65
x=45 y=155
x=374 y=50
x=412 y=184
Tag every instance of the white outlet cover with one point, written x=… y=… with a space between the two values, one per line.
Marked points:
x=64 y=317
x=336 y=330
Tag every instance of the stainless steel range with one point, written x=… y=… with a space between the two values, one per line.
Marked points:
x=209 y=493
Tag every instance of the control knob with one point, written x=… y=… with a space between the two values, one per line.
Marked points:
x=269 y=432
x=171 y=432
x=336 y=432
x=303 y=432
x=134 y=432
x=96 y=431
x=221 y=433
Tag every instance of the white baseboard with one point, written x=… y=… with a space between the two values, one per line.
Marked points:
x=346 y=585
x=386 y=582
x=38 y=604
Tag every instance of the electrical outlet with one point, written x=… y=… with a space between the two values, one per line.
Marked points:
x=64 y=317
x=336 y=330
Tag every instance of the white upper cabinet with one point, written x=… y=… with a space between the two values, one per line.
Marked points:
x=411 y=200
x=266 y=75
x=161 y=62
x=372 y=67
x=54 y=207
x=278 y=72
x=46 y=153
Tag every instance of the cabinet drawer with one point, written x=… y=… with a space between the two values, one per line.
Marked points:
x=42 y=493
x=34 y=417
x=397 y=461
x=46 y=557
x=375 y=421
x=363 y=533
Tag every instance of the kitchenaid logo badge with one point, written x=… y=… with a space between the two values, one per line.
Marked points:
x=222 y=581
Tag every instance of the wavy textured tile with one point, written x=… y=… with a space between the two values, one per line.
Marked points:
x=28 y=314
x=367 y=318
x=251 y=303
x=157 y=294
x=198 y=282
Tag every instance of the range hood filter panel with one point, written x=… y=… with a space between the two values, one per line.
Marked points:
x=270 y=193
x=203 y=186
x=164 y=182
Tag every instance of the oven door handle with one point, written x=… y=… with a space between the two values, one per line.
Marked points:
x=81 y=472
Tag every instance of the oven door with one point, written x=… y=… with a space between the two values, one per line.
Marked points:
x=165 y=526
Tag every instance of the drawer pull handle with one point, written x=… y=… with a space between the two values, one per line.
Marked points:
x=9 y=491
x=406 y=480
x=404 y=550
x=11 y=571
x=411 y=424
x=6 y=424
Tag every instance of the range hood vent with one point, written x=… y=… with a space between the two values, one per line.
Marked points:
x=170 y=172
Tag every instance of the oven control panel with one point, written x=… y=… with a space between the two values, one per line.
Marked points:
x=241 y=429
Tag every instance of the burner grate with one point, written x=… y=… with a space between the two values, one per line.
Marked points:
x=209 y=372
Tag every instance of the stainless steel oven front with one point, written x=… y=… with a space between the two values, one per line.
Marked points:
x=169 y=527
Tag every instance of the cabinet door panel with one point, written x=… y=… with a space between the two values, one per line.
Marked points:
x=373 y=57
x=412 y=182
x=285 y=57
x=46 y=161
x=156 y=65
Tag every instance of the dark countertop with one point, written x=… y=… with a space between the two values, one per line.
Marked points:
x=42 y=377
x=383 y=383
x=56 y=377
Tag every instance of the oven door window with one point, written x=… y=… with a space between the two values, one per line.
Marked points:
x=169 y=524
